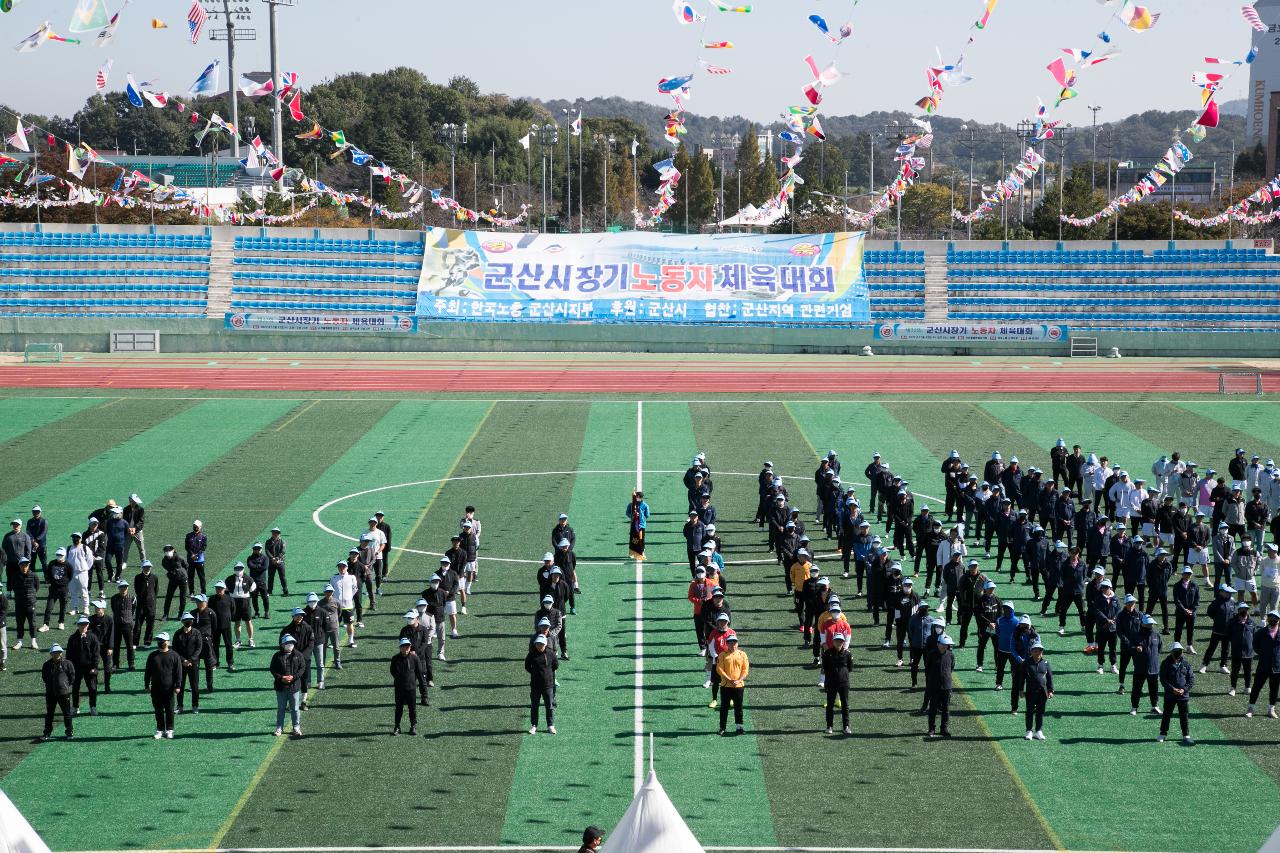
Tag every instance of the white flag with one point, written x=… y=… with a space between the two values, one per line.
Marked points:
x=103 y=74
x=107 y=33
x=524 y=142
x=19 y=139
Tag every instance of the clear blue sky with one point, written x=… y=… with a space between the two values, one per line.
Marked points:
x=585 y=48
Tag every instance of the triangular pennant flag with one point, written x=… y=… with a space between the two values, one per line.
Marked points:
x=19 y=138
x=295 y=107
x=109 y=31
x=89 y=15
x=207 y=82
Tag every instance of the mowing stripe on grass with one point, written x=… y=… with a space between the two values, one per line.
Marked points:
x=1088 y=715
x=1013 y=817
x=21 y=414
x=594 y=749
x=674 y=700
x=62 y=446
x=1252 y=426
x=473 y=727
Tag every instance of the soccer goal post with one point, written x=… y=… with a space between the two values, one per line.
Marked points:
x=1240 y=383
x=35 y=353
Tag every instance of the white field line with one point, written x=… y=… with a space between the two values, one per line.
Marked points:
x=638 y=726
x=548 y=848
x=996 y=396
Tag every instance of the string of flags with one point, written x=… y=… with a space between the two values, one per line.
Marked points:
x=1268 y=193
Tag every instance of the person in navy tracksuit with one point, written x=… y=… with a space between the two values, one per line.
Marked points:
x=1106 y=613
x=1186 y=600
x=1128 y=630
x=1242 y=630
x=1177 y=678
x=1146 y=664
x=1220 y=612
x=1266 y=645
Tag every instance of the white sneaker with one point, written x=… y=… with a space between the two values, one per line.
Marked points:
x=822 y=682
x=1160 y=739
x=1155 y=710
x=533 y=730
x=1248 y=710
x=159 y=734
x=899 y=661
x=1272 y=712
x=1224 y=670
x=551 y=729
x=1191 y=650
x=168 y=734
x=706 y=685
x=1099 y=670
x=252 y=643
x=1203 y=669
x=17 y=645
x=1231 y=692
x=885 y=644
x=975 y=669
x=1040 y=734
x=739 y=729
x=456 y=636
x=1062 y=632
x=1029 y=735
x=441 y=656
x=237 y=644
x=278 y=732
x=44 y=628
x=828 y=730
x=1133 y=712
x=1115 y=670
x=34 y=644
x=464 y=610
x=1186 y=739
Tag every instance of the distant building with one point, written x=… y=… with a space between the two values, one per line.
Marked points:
x=1195 y=184
x=1264 y=73
x=764 y=143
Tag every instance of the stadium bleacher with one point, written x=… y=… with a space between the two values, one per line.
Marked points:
x=88 y=274
x=895 y=279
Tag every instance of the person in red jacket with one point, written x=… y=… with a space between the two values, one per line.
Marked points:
x=837 y=624
x=699 y=594
x=715 y=647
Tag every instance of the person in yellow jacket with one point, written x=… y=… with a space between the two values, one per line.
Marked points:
x=799 y=574
x=732 y=667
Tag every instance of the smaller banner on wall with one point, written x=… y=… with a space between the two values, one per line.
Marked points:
x=970 y=332
x=380 y=323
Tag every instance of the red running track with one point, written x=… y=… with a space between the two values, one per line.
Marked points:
x=598 y=381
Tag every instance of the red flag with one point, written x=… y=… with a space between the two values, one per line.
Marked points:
x=295 y=107
x=49 y=138
x=1209 y=118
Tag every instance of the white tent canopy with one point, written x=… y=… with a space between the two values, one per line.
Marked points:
x=651 y=825
x=750 y=217
x=16 y=835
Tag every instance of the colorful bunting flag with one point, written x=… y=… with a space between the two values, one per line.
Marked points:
x=19 y=138
x=1250 y=15
x=88 y=15
x=207 y=82
x=109 y=31
x=100 y=79
x=197 y=17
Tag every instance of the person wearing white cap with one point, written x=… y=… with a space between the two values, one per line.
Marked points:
x=57 y=577
x=407 y=677
x=1106 y=615
x=377 y=558
x=135 y=516
x=288 y=669
x=79 y=559
x=58 y=675
x=562 y=530
x=224 y=611
x=38 y=529
x=836 y=665
x=1146 y=664
x=556 y=622
x=189 y=646
x=345 y=587
x=1266 y=645
x=541 y=664
x=1269 y=579
x=419 y=638
x=257 y=564
x=939 y=665
x=1037 y=682
x=117 y=530
x=96 y=541
x=4 y=629
x=1196 y=543
x=568 y=563
x=304 y=640
x=1177 y=678
x=25 y=589
x=85 y=653
x=205 y=622
x=275 y=550
x=15 y=546
x=325 y=626
x=1186 y=601
x=195 y=544
x=1244 y=570
x=732 y=669
x=162 y=678
x=177 y=580
x=470 y=544
x=437 y=598
x=240 y=587
x=1243 y=629
x=124 y=613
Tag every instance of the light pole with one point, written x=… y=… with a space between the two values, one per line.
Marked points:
x=277 y=137
x=1093 y=158
x=1026 y=131
x=895 y=131
x=722 y=141
x=231 y=35
x=568 y=165
x=1231 y=187
x=970 y=143
x=452 y=135
x=1060 y=135
x=605 y=143
x=547 y=135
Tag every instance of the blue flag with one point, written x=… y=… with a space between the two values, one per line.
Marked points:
x=207 y=82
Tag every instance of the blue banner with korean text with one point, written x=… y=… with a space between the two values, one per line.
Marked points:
x=640 y=277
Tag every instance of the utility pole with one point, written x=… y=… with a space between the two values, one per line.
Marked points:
x=277 y=136
x=1093 y=158
x=895 y=131
x=452 y=135
x=1026 y=131
x=231 y=35
x=546 y=135
x=1231 y=188
x=722 y=141
x=971 y=143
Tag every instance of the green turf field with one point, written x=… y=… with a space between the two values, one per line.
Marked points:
x=245 y=463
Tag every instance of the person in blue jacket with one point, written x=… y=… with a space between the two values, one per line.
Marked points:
x=1106 y=613
x=1186 y=600
x=1006 y=627
x=638 y=515
x=1128 y=630
x=1266 y=644
x=1220 y=611
x=1136 y=563
x=1177 y=678
x=1146 y=665
x=1242 y=630
x=1023 y=638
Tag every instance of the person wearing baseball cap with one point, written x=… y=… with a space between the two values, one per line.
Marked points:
x=317 y=619
x=470 y=543
x=205 y=622
x=345 y=589
x=304 y=640
x=1243 y=629
x=177 y=576
x=1186 y=601
x=638 y=522
x=1146 y=665
x=58 y=676
x=568 y=563
x=1177 y=678
x=124 y=613
x=1037 y=681
x=939 y=665
x=407 y=677
x=1269 y=578
x=117 y=533
x=189 y=645
x=562 y=530
x=195 y=544
x=541 y=664
x=135 y=517
x=224 y=610
x=330 y=626
x=1266 y=645
x=436 y=597
x=837 y=663
x=25 y=589
x=162 y=678
x=732 y=668
x=288 y=669
x=84 y=651
x=592 y=839
x=15 y=546
x=275 y=550
x=57 y=577
x=146 y=589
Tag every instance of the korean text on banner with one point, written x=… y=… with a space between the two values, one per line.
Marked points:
x=970 y=332
x=349 y=323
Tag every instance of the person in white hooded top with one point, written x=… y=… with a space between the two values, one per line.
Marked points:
x=79 y=562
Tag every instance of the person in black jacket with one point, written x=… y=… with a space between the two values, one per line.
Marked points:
x=275 y=549
x=1037 y=680
x=58 y=675
x=1177 y=678
x=146 y=589
x=1220 y=612
x=188 y=644
x=224 y=609
x=1243 y=629
x=1106 y=617
x=1186 y=600
x=195 y=545
x=1266 y=644
x=258 y=565
x=85 y=653
x=420 y=642
x=124 y=612
x=1146 y=664
x=175 y=570
x=939 y=664
x=836 y=665
x=162 y=678
x=541 y=664
x=25 y=588
x=38 y=530
x=407 y=676
x=304 y=639
x=105 y=627
x=4 y=629
x=206 y=624
x=57 y=576
x=1128 y=631
x=287 y=671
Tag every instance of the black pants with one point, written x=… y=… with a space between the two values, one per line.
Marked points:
x=1106 y=646
x=903 y=540
x=1272 y=678
x=901 y=630
x=145 y=624
x=1164 y=609
x=1180 y=621
x=810 y=623
x=562 y=637
x=544 y=696
x=1221 y=573
x=1003 y=659
x=1019 y=681
x=424 y=655
x=260 y=595
x=197 y=576
x=224 y=631
x=700 y=630
x=1169 y=701
x=190 y=678
x=125 y=637
x=1126 y=656
x=1238 y=663
x=940 y=706
x=1002 y=547
x=115 y=562
x=966 y=616
x=58 y=594
x=1065 y=600
x=983 y=639
x=1140 y=679
x=1049 y=591
x=1214 y=641
x=916 y=656
x=1035 y=712
x=405 y=699
x=207 y=655
x=162 y=704
x=25 y=611
x=834 y=692
x=1090 y=624
x=90 y=681
x=52 y=703
x=180 y=588
x=273 y=571
x=97 y=572
x=731 y=696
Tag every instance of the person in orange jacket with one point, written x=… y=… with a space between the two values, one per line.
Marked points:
x=716 y=647
x=732 y=666
x=699 y=594
x=799 y=570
